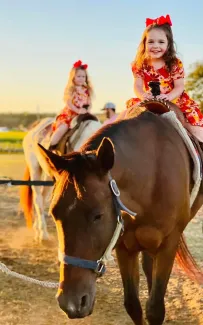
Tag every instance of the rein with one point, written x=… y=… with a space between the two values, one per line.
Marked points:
x=99 y=266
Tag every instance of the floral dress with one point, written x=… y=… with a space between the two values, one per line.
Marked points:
x=79 y=98
x=186 y=104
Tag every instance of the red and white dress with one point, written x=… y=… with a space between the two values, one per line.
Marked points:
x=79 y=98
x=186 y=104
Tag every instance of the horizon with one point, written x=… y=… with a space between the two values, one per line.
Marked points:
x=41 y=41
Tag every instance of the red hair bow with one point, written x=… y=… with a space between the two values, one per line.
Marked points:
x=79 y=64
x=159 y=21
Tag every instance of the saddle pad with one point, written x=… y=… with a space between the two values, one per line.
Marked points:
x=171 y=118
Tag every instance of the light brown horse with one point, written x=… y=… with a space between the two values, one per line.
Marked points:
x=152 y=168
x=36 y=196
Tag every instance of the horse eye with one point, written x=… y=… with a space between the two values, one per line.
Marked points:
x=97 y=217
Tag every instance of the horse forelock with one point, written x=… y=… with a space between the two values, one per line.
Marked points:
x=78 y=166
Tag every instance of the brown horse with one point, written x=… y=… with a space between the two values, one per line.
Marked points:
x=150 y=163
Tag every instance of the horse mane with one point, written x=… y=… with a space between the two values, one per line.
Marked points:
x=33 y=124
x=78 y=164
x=77 y=161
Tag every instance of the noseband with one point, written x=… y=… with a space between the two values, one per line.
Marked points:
x=99 y=266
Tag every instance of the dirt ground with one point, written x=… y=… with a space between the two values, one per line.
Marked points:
x=22 y=303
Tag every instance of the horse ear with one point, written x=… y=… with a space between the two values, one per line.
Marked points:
x=51 y=162
x=105 y=154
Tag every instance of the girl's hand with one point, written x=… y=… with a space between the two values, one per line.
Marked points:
x=82 y=111
x=146 y=96
x=163 y=96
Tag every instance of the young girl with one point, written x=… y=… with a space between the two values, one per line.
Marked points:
x=77 y=97
x=156 y=61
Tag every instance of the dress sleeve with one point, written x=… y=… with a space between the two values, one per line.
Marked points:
x=177 y=71
x=137 y=72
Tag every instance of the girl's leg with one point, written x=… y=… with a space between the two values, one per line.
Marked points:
x=197 y=131
x=58 y=133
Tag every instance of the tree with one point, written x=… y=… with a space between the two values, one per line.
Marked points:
x=194 y=82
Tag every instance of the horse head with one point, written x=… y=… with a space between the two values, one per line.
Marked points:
x=83 y=209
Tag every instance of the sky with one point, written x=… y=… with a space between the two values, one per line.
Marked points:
x=41 y=39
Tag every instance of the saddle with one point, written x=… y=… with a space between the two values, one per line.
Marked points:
x=61 y=146
x=154 y=105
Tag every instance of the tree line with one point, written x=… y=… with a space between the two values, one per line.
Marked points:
x=194 y=83
x=19 y=120
x=25 y=120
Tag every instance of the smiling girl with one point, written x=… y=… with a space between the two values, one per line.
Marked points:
x=156 y=60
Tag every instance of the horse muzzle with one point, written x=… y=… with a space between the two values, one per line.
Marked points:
x=76 y=306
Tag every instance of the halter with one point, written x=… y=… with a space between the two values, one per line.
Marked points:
x=99 y=266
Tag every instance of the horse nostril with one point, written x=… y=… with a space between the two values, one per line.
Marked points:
x=75 y=307
x=84 y=301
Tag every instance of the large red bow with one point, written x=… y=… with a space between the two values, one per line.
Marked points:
x=79 y=64
x=159 y=21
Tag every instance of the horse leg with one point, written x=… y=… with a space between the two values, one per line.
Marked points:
x=129 y=268
x=46 y=191
x=40 y=222
x=162 y=266
x=147 y=265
